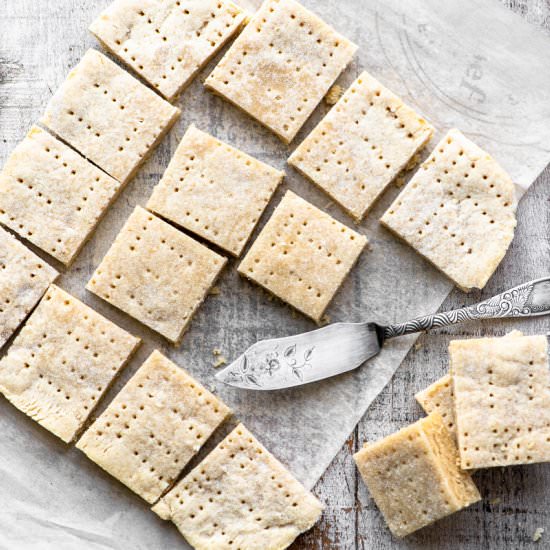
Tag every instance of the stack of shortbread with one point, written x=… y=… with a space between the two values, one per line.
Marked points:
x=493 y=409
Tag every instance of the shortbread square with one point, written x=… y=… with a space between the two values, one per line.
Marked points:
x=281 y=66
x=413 y=476
x=156 y=274
x=302 y=255
x=167 y=42
x=214 y=190
x=502 y=400
x=52 y=196
x=108 y=116
x=240 y=496
x=153 y=427
x=458 y=211
x=440 y=397
x=24 y=278
x=62 y=362
x=361 y=145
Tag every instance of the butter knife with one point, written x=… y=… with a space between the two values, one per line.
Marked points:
x=340 y=347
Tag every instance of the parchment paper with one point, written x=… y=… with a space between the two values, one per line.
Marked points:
x=465 y=63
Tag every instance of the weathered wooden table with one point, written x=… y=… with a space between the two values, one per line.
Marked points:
x=516 y=500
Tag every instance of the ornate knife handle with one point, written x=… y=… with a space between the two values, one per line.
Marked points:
x=526 y=300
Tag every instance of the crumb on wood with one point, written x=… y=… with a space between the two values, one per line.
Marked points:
x=329 y=205
x=495 y=501
x=216 y=352
x=537 y=535
x=221 y=361
x=325 y=320
x=215 y=291
x=334 y=94
x=417 y=346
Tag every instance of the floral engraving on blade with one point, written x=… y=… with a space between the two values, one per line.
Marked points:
x=257 y=369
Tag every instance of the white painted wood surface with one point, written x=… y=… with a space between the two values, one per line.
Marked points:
x=516 y=500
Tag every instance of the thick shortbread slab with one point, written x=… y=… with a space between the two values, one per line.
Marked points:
x=502 y=400
x=214 y=190
x=62 y=362
x=24 y=278
x=240 y=496
x=156 y=274
x=52 y=196
x=362 y=144
x=167 y=42
x=302 y=255
x=458 y=211
x=413 y=476
x=281 y=66
x=108 y=116
x=153 y=427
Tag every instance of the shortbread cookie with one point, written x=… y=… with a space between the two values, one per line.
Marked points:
x=24 y=277
x=502 y=400
x=458 y=211
x=302 y=255
x=52 y=196
x=240 y=496
x=281 y=66
x=62 y=362
x=214 y=190
x=156 y=274
x=413 y=476
x=439 y=397
x=153 y=427
x=361 y=145
x=167 y=42
x=108 y=116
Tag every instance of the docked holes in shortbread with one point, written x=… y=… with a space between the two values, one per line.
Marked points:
x=214 y=190
x=24 y=278
x=62 y=362
x=108 y=116
x=137 y=274
x=52 y=196
x=167 y=43
x=154 y=426
x=302 y=255
x=458 y=211
x=281 y=66
x=362 y=144
x=240 y=496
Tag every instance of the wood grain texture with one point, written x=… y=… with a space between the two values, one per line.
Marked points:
x=516 y=500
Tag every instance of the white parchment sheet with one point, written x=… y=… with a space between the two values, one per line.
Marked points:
x=465 y=63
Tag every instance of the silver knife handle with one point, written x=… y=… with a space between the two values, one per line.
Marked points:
x=526 y=300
